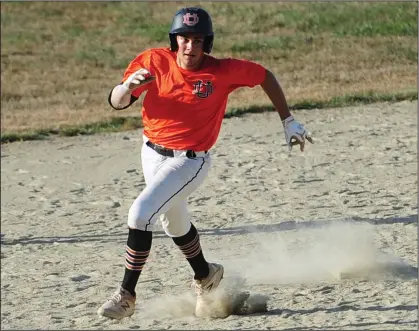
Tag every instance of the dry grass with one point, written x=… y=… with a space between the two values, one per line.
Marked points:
x=59 y=60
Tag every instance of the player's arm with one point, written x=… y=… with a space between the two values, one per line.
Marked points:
x=295 y=133
x=121 y=96
x=274 y=91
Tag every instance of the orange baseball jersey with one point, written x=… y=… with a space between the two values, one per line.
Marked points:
x=184 y=109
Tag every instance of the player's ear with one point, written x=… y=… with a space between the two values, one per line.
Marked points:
x=178 y=39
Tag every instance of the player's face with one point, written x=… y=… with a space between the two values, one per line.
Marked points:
x=190 y=52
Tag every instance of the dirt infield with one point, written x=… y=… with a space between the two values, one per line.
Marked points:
x=329 y=235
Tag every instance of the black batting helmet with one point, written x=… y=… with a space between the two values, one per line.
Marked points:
x=192 y=20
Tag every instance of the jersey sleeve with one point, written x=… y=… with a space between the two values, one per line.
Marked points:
x=244 y=73
x=143 y=60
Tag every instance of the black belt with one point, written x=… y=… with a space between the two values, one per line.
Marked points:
x=168 y=152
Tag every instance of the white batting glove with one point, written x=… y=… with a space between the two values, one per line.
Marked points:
x=295 y=133
x=138 y=78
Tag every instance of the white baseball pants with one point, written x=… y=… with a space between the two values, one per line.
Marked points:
x=169 y=181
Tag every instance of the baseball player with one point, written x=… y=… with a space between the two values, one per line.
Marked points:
x=187 y=91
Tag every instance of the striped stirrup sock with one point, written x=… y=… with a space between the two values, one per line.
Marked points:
x=136 y=254
x=135 y=260
x=190 y=246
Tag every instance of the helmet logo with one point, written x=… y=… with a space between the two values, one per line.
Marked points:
x=190 y=19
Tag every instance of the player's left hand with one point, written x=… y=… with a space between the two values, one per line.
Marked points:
x=295 y=133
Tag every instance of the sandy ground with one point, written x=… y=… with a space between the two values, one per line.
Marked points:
x=329 y=235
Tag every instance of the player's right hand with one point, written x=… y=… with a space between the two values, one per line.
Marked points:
x=137 y=79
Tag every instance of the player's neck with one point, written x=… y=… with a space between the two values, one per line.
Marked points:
x=195 y=67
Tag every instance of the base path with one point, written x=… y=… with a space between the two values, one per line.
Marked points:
x=328 y=235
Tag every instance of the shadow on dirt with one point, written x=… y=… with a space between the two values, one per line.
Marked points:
x=119 y=235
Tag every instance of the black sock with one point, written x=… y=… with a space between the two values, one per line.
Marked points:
x=136 y=254
x=190 y=246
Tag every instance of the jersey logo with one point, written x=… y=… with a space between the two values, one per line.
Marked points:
x=202 y=90
x=190 y=19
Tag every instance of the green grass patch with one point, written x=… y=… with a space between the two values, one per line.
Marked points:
x=336 y=102
x=153 y=31
x=115 y=124
x=58 y=57
x=118 y=124
x=336 y=18
x=100 y=57
x=268 y=43
x=370 y=97
x=356 y=19
x=24 y=136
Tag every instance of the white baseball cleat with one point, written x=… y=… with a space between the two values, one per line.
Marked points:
x=206 y=285
x=121 y=304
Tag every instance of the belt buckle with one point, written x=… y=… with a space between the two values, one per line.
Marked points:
x=159 y=146
x=163 y=150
